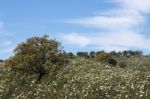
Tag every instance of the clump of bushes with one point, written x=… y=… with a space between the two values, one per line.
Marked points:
x=105 y=58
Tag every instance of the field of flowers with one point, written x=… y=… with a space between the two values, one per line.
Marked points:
x=81 y=79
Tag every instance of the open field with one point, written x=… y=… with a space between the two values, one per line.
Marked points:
x=81 y=79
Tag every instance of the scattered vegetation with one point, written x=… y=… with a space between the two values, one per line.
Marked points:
x=40 y=69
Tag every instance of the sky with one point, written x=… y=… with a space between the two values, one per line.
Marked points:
x=80 y=25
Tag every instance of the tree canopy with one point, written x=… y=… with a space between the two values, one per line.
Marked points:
x=37 y=55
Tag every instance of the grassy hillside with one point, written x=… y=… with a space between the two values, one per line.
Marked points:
x=81 y=79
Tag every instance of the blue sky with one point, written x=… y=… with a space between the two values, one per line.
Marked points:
x=80 y=25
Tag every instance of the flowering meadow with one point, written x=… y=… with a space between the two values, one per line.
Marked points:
x=81 y=79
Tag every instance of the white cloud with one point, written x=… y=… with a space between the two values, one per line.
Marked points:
x=1 y=24
x=7 y=50
x=110 y=22
x=121 y=24
x=138 y=5
x=6 y=44
x=109 y=41
x=126 y=39
x=3 y=31
x=76 y=39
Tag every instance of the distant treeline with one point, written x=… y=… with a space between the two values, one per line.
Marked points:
x=92 y=54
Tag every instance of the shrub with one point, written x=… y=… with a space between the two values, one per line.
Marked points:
x=122 y=64
x=112 y=62
x=100 y=52
x=39 y=55
x=102 y=56
x=106 y=58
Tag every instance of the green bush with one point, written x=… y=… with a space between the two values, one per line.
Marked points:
x=112 y=61
x=122 y=64
x=102 y=57
x=106 y=58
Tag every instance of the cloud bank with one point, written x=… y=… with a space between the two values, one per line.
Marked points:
x=121 y=24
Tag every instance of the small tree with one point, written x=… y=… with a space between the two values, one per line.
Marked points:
x=138 y=53
x=70 y=55
x=92 y=54
x=39 y=55
x=113 y=53
x=125 y=53
x=83 y=54
x=131 y=53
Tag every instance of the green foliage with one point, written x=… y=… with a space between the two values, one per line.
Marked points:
x=71 y=55
x=111 y=61
x=132 y=53
x=105 y=58
x=122 y=64
x=102 y=56
x=125 y=53
x=113 y=53
x=83 y=54
x=99 y=52
x=37 y=55
x=92 y=54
